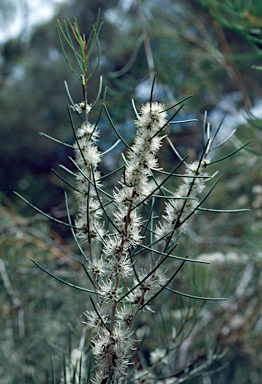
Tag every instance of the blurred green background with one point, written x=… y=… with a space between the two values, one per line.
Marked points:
x=211 y=49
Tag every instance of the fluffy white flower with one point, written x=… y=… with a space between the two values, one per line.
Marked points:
x=108 y=291
x=94 y=321
x=125 y=315
x=87 y=158
x=93 y=229
x=148 y=287
x=121 y=268
x=87 y=131
x=110 y=346
x=81 y=107
x=115 y=346
x=88 y=155
x=152 y=118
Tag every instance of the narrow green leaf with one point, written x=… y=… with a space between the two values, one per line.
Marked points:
x=43 y=213
x=62 y=281
x=196 y=297
x=56 y=140
x=114 y=128
x=223 y=210
x=164 y=286
x=72 y=230
x=179 y=102
x=230 y=154
x=172 y=256
x=64 y=180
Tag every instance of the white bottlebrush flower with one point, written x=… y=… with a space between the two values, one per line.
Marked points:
x=130 y=224
x=112 y=342
x=142 y=156
x=94 y=229
x=149 y=284
x=125 y=315
x=110 y=348
x=152 y=118
x=87 y=131
x=87 y=157
x=81 y=107
x=135 y=183
x=123 y=339
x=113 y=346
x=108 y=291
x=143 y=143
x=121 y=268
x=102 y=344
x=98 y=266
x=114 y=247
x=95 y=321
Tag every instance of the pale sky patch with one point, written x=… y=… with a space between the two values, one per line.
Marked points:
x=27 y=15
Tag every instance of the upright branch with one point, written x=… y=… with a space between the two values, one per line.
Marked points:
x=112 y=226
